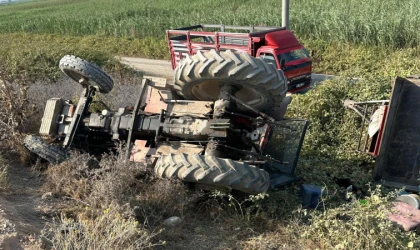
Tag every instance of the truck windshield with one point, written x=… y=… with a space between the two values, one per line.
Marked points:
x=293 y=55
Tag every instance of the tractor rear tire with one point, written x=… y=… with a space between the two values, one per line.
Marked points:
x=214 y=172
x=77 y=68
x=49 y=152
x=200 y=77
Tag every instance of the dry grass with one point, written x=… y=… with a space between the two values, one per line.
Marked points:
x=110 y=183
x=112 y=229
x=93 y=187
x=4 y=174
x=71 y=178
x=100 y=192
x=161 y=199
x=15 y=115
x=96 y=183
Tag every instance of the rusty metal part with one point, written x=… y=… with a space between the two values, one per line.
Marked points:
x=200 y=109
x=155 y=100
x=355 y=106
x=156 y=82
x=140 y=151
x=366 y=110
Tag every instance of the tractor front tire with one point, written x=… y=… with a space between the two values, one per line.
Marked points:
x=213 y=172
x=201 y=76
x=76 y=68
x=49 y=152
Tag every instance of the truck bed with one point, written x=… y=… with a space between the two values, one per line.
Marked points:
x=187 y=40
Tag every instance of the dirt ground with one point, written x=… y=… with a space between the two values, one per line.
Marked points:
x=150 y=67
x=21 y=216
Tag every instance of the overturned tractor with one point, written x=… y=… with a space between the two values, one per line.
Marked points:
x=232 y=136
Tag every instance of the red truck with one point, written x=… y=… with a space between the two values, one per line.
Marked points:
x=276 y=45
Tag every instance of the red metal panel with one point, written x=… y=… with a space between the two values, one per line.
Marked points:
x=217 y=41
x=378 y=142
x=290 y=74
x=154 y=104
x=251 y=46
x=171 y=52
x=193 y=47
x=189 y=42
x=140 y=152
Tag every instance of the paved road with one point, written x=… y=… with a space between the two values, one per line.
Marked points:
x=163 y=68
x=150 y=67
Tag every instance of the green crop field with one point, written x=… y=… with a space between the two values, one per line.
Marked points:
x=371 y=22
x=373 y=40
x=348 y=37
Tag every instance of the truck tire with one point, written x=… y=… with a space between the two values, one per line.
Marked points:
x=49 y=152
x=76 y=68
x=200 y=76
x=213 y=171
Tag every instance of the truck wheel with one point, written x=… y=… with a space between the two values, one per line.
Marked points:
x=213 y=171
x=76 y=68
x=49 y=152
x=200 y=77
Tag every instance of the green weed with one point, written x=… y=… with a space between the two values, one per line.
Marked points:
x=359 y=224
x=36 y=57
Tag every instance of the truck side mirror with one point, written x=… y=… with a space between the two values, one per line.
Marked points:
x=282 y=63
x=312 y=53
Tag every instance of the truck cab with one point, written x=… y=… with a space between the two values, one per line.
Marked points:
x=283 y=50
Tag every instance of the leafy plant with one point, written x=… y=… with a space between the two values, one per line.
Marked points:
x=359 y=224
